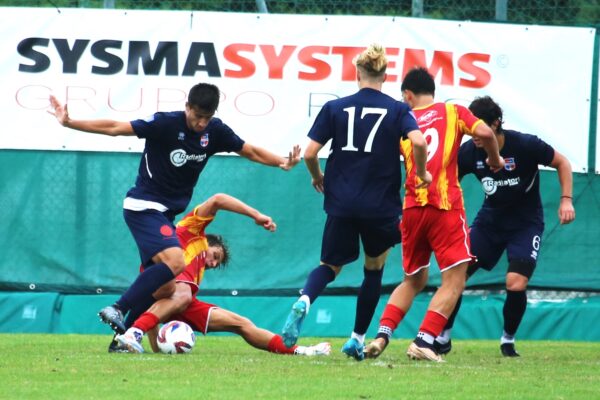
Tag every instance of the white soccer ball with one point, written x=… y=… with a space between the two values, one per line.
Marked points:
x=176 y=337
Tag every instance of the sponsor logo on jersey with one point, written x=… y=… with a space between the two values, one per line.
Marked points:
x=489 y=185
x=480 y=165
x=181 y=136
x=179 y=157
x=428 y=116
x=204 y=140
x=509 y=164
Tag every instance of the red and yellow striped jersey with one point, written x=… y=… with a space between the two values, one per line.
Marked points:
x=190 y=231
x=444 y=125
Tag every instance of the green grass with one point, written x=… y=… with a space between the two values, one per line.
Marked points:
x=224 y=367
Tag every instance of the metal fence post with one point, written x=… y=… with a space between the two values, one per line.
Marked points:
x=501 y=10
x=417 y=8
x=261 y=5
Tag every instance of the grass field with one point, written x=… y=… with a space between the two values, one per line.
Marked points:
x=223 y=367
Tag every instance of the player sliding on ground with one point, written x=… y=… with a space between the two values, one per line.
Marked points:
x=205 y=251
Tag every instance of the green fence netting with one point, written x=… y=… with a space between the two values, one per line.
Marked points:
x=62 y=228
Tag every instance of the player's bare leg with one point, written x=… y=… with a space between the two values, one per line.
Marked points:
x=441 y=306
x=226 y=321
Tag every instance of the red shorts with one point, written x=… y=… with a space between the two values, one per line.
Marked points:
x=196 y=315
x=429 y=229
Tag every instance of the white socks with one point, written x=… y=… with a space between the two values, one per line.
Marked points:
x=359 y=338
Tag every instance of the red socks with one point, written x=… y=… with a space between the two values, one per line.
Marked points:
x=433 y=323
x=276 y=346
x=391 y=317
x=146 y=321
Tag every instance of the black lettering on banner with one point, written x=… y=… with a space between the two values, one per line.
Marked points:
x=41 y=62
x=140 y=51
x=197 y=51
x=70 y=57
x=114 y=64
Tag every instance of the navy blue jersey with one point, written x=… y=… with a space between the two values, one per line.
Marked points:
x=174 y=156
x=362 y=174
x=512 y=194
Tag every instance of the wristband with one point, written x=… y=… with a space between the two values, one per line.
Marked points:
x=566 y=197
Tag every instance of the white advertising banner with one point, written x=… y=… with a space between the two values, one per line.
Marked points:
x=275 y=71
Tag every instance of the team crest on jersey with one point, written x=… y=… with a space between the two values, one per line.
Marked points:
x=428 y=117
x=509 y=164
x=479 y=165
x=204 y=140
x=181 y=136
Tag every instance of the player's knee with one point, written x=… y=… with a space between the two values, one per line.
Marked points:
x=336 y=270
x=516 y=282
x=177 y=267
x=242 y=325
x=245 y=322
x=417 y=282
x=176 y=264
x=182 y=299
x=166 y=290
x=375 y=263
x=518 y=275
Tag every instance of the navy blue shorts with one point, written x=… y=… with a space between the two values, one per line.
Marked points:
x=341 y=236
x=522 y=244
x=153 y=232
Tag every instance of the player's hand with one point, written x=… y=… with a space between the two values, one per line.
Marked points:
x=495 y=164
x=425 y=180
x=318 y=183
x=566 y=211
x=59 y=110
x=292 y=159
x=266 y=222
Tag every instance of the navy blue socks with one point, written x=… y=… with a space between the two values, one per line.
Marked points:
x=140 y=291
x=317 y=280
x=366 y=302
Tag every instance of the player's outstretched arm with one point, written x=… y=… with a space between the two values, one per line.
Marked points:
x=101 y=126
x=263 y=156
x=420 y=153
x=222 y=201
x=566 y=211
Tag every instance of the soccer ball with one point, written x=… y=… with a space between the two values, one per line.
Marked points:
x=176 y=337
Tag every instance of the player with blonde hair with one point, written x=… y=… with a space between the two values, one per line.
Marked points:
x=361 y=188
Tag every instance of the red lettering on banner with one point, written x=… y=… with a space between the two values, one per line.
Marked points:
x=391 y=51
x=276 y=62
x=348 y=54
x=33 y=97
x=481 y=77
x=322 y=69
x=80 y=93
x=250 y=103
x=231 y=54
x=442 y=61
